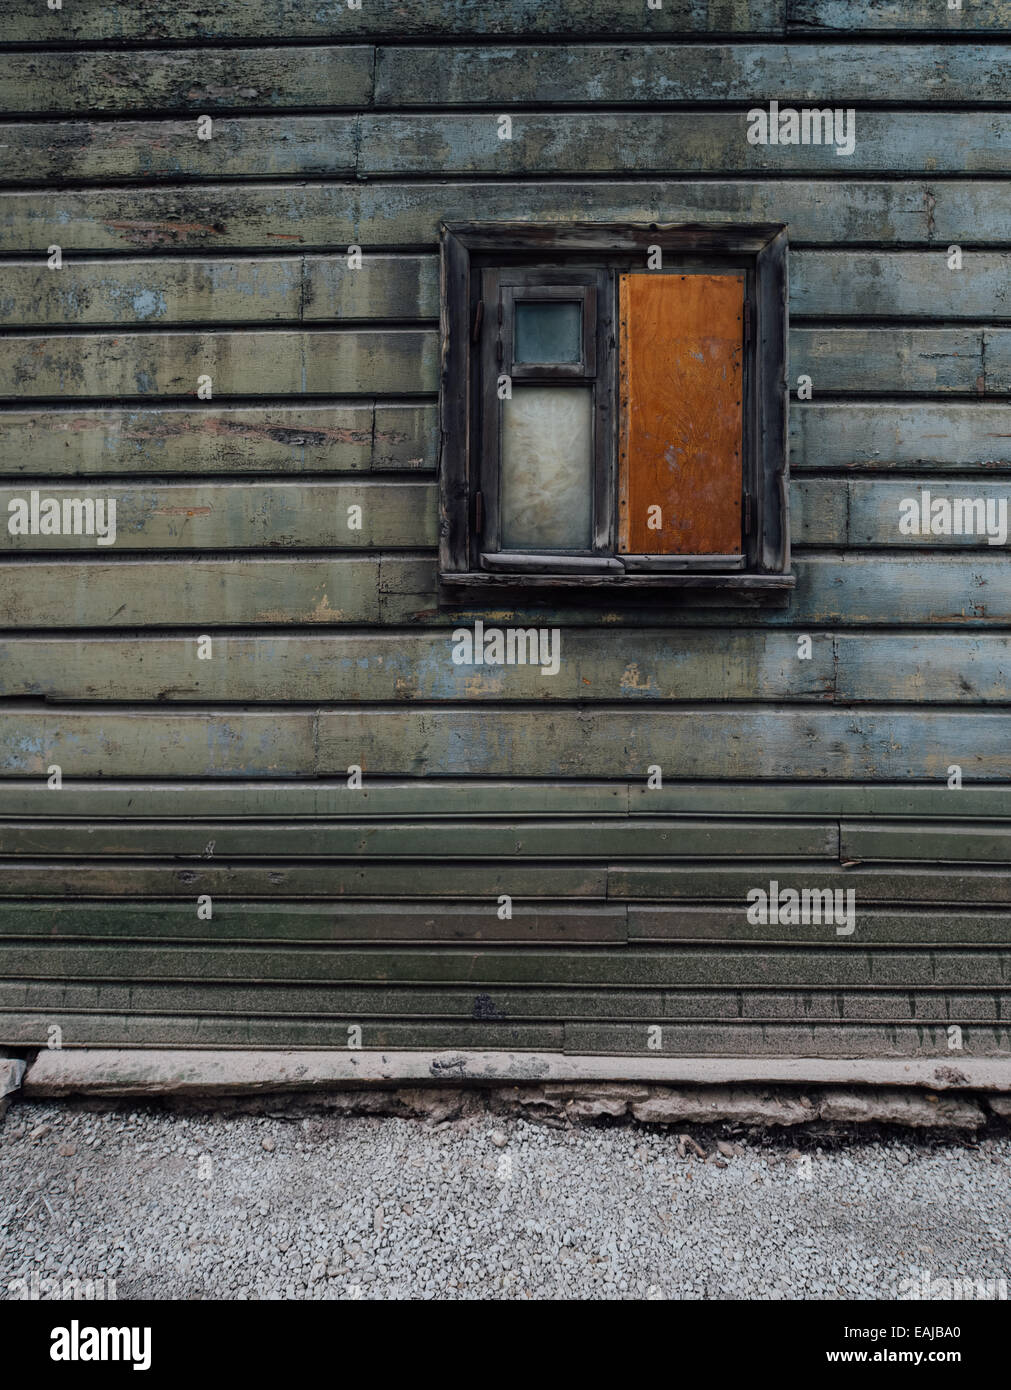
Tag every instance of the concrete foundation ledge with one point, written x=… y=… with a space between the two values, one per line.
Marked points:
x=917 y=1092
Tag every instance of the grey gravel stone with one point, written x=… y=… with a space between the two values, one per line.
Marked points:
x=168 y=1204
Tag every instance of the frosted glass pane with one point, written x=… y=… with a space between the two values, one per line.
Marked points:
x=547 y=470
x=548 y=332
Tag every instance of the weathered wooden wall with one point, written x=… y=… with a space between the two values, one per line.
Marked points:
x=226 y=777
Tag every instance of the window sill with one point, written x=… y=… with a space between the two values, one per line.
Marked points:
x=745 y=588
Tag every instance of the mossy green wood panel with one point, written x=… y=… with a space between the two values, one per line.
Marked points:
x=899 y=16
x=924 y=926
x=887 y=436
x=331 y=215
x=294 y=922
x=685 y=742
x=511 y=1004
x=661 y=664
x=542 y=142
x=234 y=516
x=966 y=842
x=505 y=1003
x=573 y=839
x=958 y=885
x=196 y=21
x=31 y=1029
x=827 y=1039
x=587 y=922
x=254 y=362
x=603 y=967
x=355 y=437
x=89 y=82
x=151 y=293
x=374 y=1004
x=281 y=880
x=686 y=798
x=324 y=362
x=480 y=797
x=583 y=75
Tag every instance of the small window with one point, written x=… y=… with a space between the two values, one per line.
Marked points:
x=614 y=408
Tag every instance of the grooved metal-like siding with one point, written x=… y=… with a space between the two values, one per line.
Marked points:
x=205 y=875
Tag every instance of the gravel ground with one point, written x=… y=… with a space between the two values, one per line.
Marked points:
x=175 y=1205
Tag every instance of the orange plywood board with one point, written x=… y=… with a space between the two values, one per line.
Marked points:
x=681 y=421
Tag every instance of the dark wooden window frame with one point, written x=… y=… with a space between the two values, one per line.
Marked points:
x=572 y=256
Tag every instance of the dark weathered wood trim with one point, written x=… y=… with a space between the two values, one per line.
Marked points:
x=760 y=249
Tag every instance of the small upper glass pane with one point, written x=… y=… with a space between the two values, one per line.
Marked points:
x=548 y=330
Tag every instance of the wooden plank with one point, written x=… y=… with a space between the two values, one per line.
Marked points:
x=369 y=1005
x=900 y=284
x=583 y=74
x=263 y=290
x=852 y=590
x=353 y=438
x=882 y=361
x=857 y=590
x=295 y=800
x=266 y=217
x=477 y=798
x=968 y=841
x=850 y=799
x=259 y=743
x=486 y=882
x=241 y=516
x=404 y=361
x=604 y=968
x=681 y=422
x=646 y=142
x=546 y=839
x=198 y=20
x=558 y=142
x=828 y=1039
x=888 y=435
x=323 y=439
x=250 y=363
x=830 y=512
x=294 y=922
x=871 y=885
x=924 y=669
x=201 y=80
x=132 y=291
x=211 y=593
x=899 y=16
x=20 y=1029
x=686 y=742
x=636 y=667
x=97 y=151
x=998 y=361
x=926 y=926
